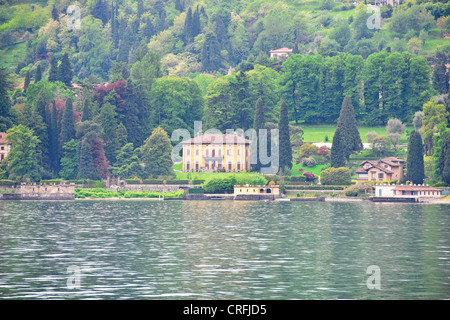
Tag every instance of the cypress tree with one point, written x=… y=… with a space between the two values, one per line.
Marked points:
x=196 y=28
x=65 y=70
x=54 y=140
x=351 y=139
x=258 y=124
x=188 y=28
x=55 y=13
x=414 y=162
x=122 y=135
x=444 y=159
x=53 y=74
x=86 y=169
x=211 y=59
x=156 y=154
x=67 y=125
x=285 y=148
x=41 y=129
x=87 y=113
x=26 y=82
x=140 y=9
x=337 y=155
x=38 y=75
x=178 y=5
x=440 y=75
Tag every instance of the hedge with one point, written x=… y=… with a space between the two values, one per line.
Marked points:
x=7 y=183
x=314 y=187
x=177 y=181
x=198 y=181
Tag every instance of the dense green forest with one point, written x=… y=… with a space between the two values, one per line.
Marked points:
x=90 y=99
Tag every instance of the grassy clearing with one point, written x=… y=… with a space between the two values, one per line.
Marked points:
x=316 y=169
x=241 y=177
x=317 y=133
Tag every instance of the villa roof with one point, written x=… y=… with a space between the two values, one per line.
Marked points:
x=281 y=50
x=392 y=161
x=3 y=138
x=217 y=139
x=415 y=188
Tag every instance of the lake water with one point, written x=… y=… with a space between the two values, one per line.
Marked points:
x=223 y=250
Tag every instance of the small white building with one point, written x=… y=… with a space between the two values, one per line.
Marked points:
x=5 y=148
x=281 y=53
x=406 y=191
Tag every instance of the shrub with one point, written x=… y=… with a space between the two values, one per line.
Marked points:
x=217 y=185
x=306 y=150
x=320 y=160
x=323 y=151
x=309 y=162
x=336 y=176
x=309 y=176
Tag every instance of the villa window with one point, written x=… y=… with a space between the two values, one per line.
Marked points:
x=196 y=152
x=238 y=152
x=188 y=166
x=239 y=166
x=373 y=174
x=220 y=152
x=380 y=176
x=207 y=152
x=229 y=152
x=188 y=152
x=229 y=166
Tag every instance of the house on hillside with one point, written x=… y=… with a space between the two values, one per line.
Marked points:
x=392 y=3
x=216 y=152
x=386 y=169
x=5 y=148
x=281 y=53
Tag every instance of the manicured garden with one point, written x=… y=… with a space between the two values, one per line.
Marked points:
x=101 y=193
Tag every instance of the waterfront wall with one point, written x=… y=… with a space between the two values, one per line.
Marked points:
x=152 y=187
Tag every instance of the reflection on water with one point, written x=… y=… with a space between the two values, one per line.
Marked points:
x=223 y=250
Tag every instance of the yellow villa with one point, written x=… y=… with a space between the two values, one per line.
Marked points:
x=216 y=152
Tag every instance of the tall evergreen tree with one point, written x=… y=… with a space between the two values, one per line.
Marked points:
x=122 y=135
x=351 y=139
x=54 y=135
x=86 y=169
x=41 y=125
x=285 y=148
x=87 y=112
x=258 y=124
x=5 y=103
x=69 y=162
x=53 y=74
x=26 y=82
x=337 y=155
x=196 y=27
x=157 y=154
x=108 y=120
x=65 y=70
x=211 y=58
x=140 y=8
x=67 y=125
x=55 y=13
x=38 y=75
x=440 y=74
x=443 y=164
x=188 y=28
x=414 y=161
x=179 y=5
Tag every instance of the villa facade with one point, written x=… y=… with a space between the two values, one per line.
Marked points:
x=386 y=169
x=216 y=152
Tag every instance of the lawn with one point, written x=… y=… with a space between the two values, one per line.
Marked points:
x=241 y=177
x=316 y=169
x=317 y=133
